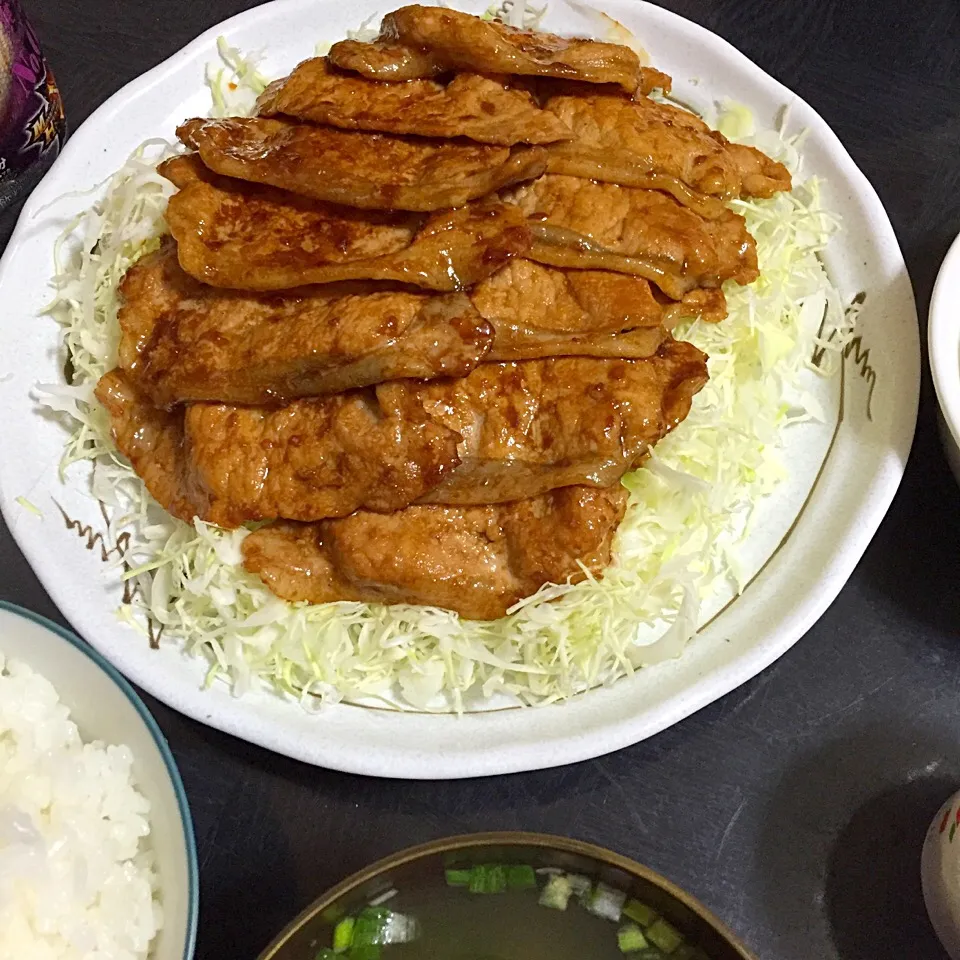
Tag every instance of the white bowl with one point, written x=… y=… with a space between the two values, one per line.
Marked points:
x=105 y=707
x=943 y=342
x=940 y=872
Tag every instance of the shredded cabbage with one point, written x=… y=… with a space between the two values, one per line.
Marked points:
x=236 y=82
x=515 y=13
x=678 y=545
x=367 y=31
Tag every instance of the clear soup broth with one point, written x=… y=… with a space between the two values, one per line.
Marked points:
x=504 y=903
x=457 y=925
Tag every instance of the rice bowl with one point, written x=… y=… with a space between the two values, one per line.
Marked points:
x=96 y=843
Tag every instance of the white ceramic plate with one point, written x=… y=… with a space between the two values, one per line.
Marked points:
x=801 y=565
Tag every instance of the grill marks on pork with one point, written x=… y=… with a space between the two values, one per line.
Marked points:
x=355 y=168
x=470 y=105
x=478 y=561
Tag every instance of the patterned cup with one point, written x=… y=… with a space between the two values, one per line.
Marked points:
x=32 y=126
x=940 y=875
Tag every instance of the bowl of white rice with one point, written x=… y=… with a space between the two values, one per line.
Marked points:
x=97 y=854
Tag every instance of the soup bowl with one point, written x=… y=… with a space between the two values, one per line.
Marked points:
x=606 y=886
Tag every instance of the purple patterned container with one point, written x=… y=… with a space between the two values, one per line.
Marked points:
x=32 y=126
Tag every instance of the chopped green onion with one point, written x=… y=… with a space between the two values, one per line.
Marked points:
x=370 y=926
x=343 y=934
x=378 y=925
x=556 y=894
x=639 y=912
x=521 y=877
x=630 y=938
x=458 y=878
x=488 y=878
x=665 y=936
x=606 y=902
x=493 y=877
x=581 y=886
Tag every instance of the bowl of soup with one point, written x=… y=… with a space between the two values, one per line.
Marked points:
x=506 y=896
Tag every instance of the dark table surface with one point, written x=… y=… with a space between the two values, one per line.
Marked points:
x=794 y=807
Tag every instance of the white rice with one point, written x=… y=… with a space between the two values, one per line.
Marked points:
x=77 y=881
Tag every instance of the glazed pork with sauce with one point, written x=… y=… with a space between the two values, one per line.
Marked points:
x=478 y=561
x=470 y=105
x=581 y=223
x=317 y=458
x=246 y=236
x=355 y=168
x=625 y=141
x=505 y=432
x=419 y=313
x=249 y=237
x=418 y=41
x=187 y=341
x=540 y=311
x=530 y=427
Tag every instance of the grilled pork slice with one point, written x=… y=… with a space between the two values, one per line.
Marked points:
x=477 y=561
x=182 y=340
x=504 y=432
x=355 y=168
x=317 y=458
x=587 y=225
x=152 y=440
x=468 y=106
x=532 y=426
x=313 y=459
x=642 y=143
x=418 y=41
x=249 y=237
x=539 y=311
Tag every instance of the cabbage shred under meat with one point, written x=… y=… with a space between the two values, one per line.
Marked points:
x=678 y=545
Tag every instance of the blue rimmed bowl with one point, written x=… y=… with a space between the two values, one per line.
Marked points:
x=105 y=707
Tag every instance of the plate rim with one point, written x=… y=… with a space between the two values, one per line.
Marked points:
x=694 y=696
